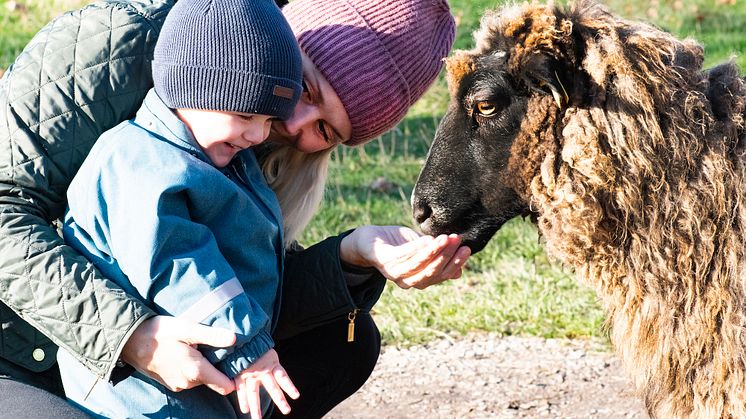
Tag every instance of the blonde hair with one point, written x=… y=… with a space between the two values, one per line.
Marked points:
x=298 y=180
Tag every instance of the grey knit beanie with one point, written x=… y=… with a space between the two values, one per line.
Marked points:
x=228 y=55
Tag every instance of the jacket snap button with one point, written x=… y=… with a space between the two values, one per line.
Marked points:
x=38 y=354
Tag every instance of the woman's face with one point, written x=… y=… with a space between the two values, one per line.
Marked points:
x=319 y=120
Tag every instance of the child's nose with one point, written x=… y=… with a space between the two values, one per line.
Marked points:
x=257 y=132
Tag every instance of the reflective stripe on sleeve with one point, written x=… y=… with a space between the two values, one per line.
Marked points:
x=212 y=301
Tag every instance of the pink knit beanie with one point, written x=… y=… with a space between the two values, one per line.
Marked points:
x=379 y=55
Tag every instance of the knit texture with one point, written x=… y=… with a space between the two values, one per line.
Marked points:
x=228 y=55
x=379 y=56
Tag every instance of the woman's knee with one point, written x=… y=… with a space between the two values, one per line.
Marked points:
x=20 y=400
x=326 y=366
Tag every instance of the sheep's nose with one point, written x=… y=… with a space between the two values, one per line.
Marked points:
x=422 y=213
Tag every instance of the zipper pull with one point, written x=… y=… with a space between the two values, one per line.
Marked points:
x=351 y=327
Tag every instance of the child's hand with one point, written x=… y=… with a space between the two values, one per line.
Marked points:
x=268 y=372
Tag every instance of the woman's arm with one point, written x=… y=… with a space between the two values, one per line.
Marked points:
x=47 y=125
x=347 y=273
x=58 y=291
x=50 y=115
x=316 y=291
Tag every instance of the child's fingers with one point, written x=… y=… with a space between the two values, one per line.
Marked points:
x=275 y=392
x=252 y=396
x=283 y=379
x=247 y=392
x=243 y=403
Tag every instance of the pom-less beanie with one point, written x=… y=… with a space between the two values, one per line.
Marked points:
x=228 y=55
x=379 y=55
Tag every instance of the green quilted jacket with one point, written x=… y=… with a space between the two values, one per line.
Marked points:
x=83 y=73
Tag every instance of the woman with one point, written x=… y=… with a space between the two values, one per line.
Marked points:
x=366 y=63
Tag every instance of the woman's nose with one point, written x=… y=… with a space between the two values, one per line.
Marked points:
x=303 y=115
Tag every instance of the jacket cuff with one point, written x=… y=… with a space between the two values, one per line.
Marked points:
x=357 y=275
x=117 y=371
x=244 y=356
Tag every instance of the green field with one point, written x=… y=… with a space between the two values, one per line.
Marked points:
x=511 y=287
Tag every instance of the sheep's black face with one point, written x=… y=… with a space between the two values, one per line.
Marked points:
x=466 y=185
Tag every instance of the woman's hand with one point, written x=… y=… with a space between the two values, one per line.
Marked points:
x=266 y=372
x=405 y=257
x=163 y=348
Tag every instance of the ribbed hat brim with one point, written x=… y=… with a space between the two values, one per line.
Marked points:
x=224 y=89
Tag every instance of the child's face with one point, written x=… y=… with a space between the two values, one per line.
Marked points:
x=223 y=134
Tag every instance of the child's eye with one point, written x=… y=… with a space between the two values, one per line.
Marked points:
x=305 y=86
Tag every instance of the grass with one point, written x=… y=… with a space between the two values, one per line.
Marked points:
x=509 y=288
x=21 y=19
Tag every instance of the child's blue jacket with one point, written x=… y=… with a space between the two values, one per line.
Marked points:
x=150 y=210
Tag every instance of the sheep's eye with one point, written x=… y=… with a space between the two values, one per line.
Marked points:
x=486 y=108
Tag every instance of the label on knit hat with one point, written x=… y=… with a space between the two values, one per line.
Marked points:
x=283 y=91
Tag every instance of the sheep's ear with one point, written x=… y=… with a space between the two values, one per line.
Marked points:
x=555 y=86
x=548 y=76
x=460 y=64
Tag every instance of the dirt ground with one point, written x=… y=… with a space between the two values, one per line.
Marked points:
x=485 y=376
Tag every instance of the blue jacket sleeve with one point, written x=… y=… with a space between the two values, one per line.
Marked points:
x=141 y=217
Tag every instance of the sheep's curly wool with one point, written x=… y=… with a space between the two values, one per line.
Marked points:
x=642 y=190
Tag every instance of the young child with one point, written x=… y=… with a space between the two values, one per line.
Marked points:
x=173 y=207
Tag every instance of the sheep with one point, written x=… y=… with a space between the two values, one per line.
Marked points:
x=629 y=157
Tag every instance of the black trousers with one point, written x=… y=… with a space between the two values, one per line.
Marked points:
x=24 y=401
x=326 y=368
x=322 y=364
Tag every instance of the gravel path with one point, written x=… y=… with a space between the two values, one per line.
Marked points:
x=485 y=376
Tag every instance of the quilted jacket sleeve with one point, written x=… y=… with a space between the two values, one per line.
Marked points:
x=82 y=74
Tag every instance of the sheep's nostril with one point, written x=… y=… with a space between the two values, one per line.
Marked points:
x=421 y=214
